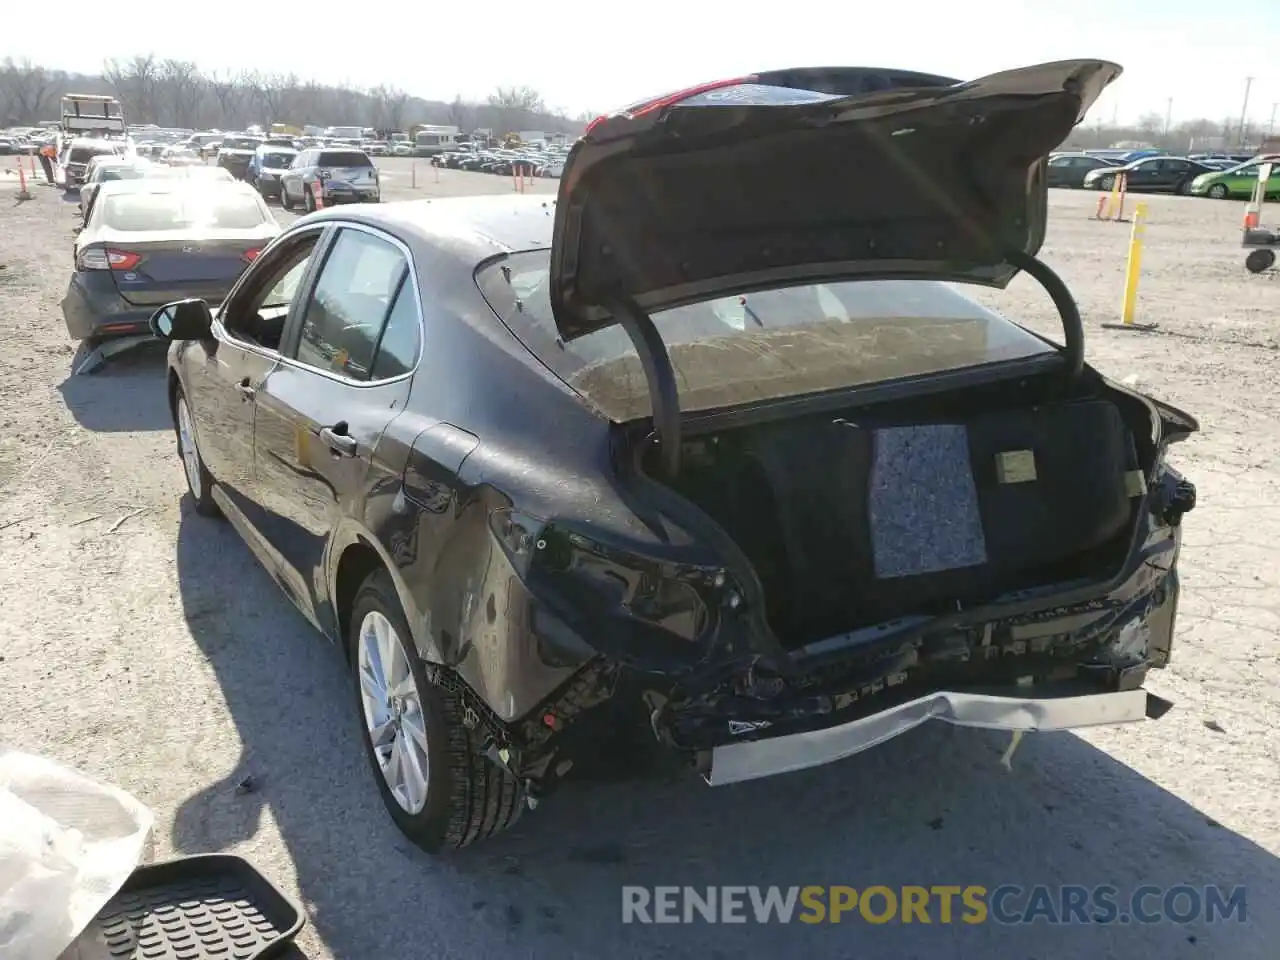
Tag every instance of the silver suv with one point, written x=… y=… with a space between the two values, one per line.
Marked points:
x=336 y=175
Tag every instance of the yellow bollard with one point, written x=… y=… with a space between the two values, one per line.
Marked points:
x=1132 y=273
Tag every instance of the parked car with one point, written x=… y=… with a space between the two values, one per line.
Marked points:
x=267 y=166
x=77 y=153
x=1069 y=169
x=871 y=501
x=1149 y=175
x=182 y=156
x=337 y=175
x=1238 y=181
x=146 y=242
x=236 y=153
x=106 y=169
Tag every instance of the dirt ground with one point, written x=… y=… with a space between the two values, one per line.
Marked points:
x=143 y=645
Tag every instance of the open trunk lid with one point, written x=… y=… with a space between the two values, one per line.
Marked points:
x=802 y=176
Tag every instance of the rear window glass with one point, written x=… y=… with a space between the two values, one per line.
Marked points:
x=766 y=345
x=343 y=158
x=181 y=210
x=85 y=154
x=277 y=160
x=124 y=173
x=240 y=143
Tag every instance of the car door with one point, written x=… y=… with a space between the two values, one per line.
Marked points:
x=289 y=179
x=343 y=379
x=1174 y=173
x=222 y=376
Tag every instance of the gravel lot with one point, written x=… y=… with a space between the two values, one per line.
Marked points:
x=142 y=644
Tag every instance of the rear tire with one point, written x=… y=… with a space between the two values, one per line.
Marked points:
x=308 y=200
x=285 y=202
x=1183 y=189
x=1218 y=191
x=467 y=797
x=1106 y=183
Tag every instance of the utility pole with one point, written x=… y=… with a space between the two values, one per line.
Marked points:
x=1244 y=110
x=1168 y=116
x=1271 y=124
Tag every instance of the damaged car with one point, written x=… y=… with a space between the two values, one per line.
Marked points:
x=737 y=474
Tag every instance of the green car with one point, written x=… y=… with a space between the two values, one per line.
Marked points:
x=1238 y=181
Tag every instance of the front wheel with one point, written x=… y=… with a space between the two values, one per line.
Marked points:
x=199 y=480
x=285 y=202
x=431 y=769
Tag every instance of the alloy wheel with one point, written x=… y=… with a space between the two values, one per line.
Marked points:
x=393 y=714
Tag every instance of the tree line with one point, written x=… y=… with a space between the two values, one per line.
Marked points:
x=177 y=93
x=1186 y=136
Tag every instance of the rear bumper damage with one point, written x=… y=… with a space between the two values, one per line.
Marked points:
x=1069 y=667
x=736 y=762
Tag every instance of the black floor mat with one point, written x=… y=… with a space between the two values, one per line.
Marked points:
x=196 y=908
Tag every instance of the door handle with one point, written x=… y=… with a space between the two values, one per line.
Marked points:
x=336 y=439
x=246 y=391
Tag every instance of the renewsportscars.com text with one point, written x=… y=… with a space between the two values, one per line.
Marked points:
x=942 y=904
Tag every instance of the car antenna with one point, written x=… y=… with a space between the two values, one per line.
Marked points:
x=750 y=313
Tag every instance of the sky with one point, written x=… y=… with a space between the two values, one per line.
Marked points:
x=589 y=55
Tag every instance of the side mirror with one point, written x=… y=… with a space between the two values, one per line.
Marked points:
x=183 y=320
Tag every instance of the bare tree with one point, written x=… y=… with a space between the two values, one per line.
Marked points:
x=172 y=91
x=184 y=87
x=514 y=107
x=134 y=82
x=228 y=93
x=459 y=115
x=1150 y=126
x=26 y=89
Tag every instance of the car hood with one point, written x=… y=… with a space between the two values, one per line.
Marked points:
x=790 y=177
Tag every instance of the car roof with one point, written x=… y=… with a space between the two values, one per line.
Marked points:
x=174 y=185
x=478 y=227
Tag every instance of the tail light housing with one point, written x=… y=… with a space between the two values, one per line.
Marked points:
x=660 y=606
x=106 y=258
x=251 y=255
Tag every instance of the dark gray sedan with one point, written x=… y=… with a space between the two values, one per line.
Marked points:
x=149 y=241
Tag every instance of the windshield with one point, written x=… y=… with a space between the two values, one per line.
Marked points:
x=182 y=210
x=277 y=160
x=240 y=143
x=766 y=345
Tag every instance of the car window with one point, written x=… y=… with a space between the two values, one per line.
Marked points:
x=1061 y=161
x=346 y=310
x=398 y=349
x=769 y=344
x=344 y=158
x=258 y=314
x=1176 y=166
x=276 y=160
x=184 y=209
